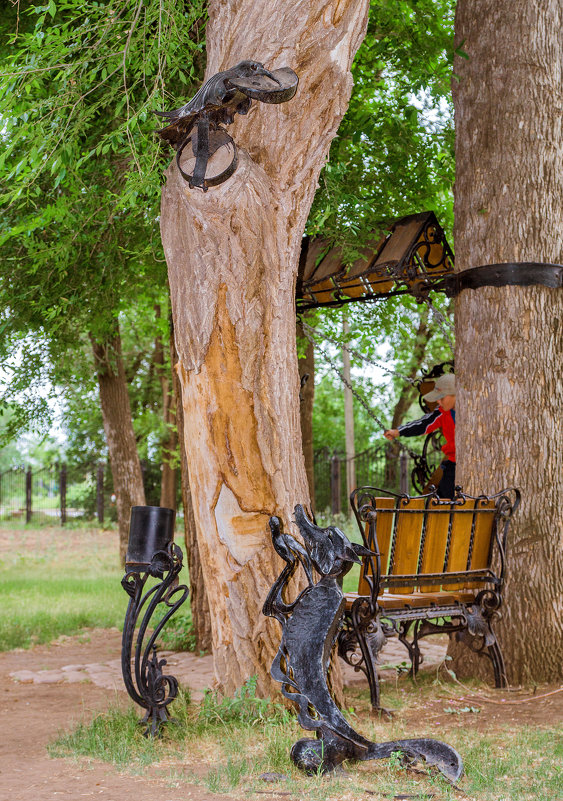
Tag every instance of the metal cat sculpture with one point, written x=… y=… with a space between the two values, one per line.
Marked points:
x=217 y=102
x=310 y=624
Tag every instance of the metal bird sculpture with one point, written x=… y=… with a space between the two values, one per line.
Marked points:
x=216 y=103
x=309 y=628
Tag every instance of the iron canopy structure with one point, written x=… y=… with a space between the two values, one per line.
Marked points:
x=413 y=258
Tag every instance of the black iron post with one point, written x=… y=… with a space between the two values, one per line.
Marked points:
x=62 y=492
x=28 y=510
x=151 y=552
x=100 y=493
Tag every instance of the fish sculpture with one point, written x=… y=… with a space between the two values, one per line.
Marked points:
x=216 y=104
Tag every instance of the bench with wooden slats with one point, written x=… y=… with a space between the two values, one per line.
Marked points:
x=437 y=566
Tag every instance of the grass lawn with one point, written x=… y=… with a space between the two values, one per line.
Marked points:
x=57 y=580
x=225 y=745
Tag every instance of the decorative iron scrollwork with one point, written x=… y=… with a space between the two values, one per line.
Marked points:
x=217 y=103
x=151 y=553
x=310 y=625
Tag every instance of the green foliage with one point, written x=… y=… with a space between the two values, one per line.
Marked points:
x=388 y=333
x=80 y=175
x=178 y=633
x=244 y=708
x=393 y=153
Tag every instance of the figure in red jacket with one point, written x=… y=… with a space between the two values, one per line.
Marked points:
x=442 y=418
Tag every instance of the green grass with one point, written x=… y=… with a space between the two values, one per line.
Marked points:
x=57 y=581
x=238 y=739
x=38 y=608
x=114 y=736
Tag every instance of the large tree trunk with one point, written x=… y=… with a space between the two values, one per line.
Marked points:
x=306 y=402
x=232 y=256
x=120 y=437
x=201 y=619
x=509 y=207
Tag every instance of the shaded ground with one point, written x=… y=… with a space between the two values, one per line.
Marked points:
x=50 y=688
x=44 y=701
x=33 y=714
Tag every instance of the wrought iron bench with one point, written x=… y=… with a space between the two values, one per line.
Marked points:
x=438 y=566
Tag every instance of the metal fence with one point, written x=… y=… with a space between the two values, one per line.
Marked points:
x=56 y=493
x=382 y=466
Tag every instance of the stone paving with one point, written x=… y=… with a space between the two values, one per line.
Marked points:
x=196 y=672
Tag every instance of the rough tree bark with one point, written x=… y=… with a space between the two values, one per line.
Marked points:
x=201 y=619
x=120 y=437
x=232 y=256
x=306 y=401
x=509 y=207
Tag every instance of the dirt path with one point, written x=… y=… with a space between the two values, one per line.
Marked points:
x=51 y=688
x=34 y=712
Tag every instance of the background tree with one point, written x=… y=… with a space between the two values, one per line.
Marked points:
x=79 y=236
x=508 y=205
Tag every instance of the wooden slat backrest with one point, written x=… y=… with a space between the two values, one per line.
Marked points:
x=482 y=545
x=415 y=538
x=406 y=540
x=463 y=521
x=383 y=530
x=435 y=544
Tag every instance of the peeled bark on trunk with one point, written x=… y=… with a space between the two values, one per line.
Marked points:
x=232 y=256
x=120 y=437
x=201 y=619
x=306 y=401
x=508 y=208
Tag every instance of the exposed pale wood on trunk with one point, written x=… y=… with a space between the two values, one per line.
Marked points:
x=232 y=255
x=201 y=620
x=509 y=207
x=120 y=437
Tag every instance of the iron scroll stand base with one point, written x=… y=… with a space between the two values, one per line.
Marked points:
x=310 y=625
x=145 y=680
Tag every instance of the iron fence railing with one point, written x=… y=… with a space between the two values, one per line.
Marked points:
x=60 y=493
x=56 y=493
x=384 y=466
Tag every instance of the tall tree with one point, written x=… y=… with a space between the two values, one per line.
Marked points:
x=79 y=183
x=233 y=305
x=508 y=208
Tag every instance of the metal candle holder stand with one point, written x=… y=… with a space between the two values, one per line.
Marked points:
x=151 y=552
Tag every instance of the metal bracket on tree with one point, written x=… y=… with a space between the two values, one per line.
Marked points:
x=217 y=102
x=509 y=274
